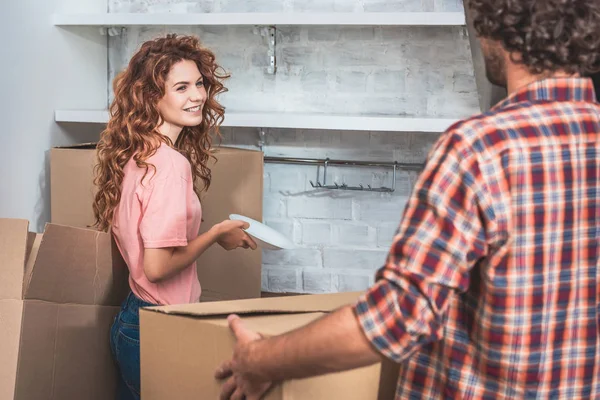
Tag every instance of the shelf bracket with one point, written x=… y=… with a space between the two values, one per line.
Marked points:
x=261 y=138
x=269 y=33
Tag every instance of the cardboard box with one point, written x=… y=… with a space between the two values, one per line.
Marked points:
x=181 y=346
x=236 y=188
x=59 y=293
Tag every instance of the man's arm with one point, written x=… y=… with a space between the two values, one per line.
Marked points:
x=332 y=343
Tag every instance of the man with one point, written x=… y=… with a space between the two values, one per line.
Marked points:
x=491 y=288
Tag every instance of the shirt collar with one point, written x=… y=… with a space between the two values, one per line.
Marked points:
x=553 y=89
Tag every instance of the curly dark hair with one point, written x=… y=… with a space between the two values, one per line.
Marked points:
x=544 y=35
x=132 y=128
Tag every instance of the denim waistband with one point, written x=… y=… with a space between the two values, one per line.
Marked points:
x=133 y=303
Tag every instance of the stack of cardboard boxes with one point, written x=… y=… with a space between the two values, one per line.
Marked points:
x=60 y=291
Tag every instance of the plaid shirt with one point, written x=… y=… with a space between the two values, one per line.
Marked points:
x=491 y=287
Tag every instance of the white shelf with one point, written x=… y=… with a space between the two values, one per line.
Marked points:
x=294 y=121
x=146 y=19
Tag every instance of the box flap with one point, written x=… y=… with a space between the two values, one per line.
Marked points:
x=65 y=353
x=13 y=253
x=272 y=305
x=11 y=312
x=79 y=266
x=32 y=256
x=72 y=188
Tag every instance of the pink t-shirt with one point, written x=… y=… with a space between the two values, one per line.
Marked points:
x=161 y=211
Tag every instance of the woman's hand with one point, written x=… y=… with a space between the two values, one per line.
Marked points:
x=231 y=235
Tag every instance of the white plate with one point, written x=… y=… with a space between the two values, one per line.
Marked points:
x=264 y=236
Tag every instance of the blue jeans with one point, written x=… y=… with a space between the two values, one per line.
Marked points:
x=125 y=346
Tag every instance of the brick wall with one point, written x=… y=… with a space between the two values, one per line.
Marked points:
x=342 y=236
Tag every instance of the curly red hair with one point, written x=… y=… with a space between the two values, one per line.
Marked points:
x=132 y=128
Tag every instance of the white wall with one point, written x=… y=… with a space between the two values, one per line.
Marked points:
x=39 y=71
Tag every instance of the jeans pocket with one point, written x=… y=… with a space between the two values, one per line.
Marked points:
x=128 y=345
x=129 y=320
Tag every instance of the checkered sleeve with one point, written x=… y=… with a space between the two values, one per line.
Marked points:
x=440 y=238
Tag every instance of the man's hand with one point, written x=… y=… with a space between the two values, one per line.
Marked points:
x=241 y=384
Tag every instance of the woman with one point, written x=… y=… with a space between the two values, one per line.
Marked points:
x=150 y=157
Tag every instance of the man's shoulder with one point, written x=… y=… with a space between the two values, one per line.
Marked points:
x=489 y=128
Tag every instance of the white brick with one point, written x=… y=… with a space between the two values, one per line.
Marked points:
x=394 y=105
x=354 y=259
x=230 y=61
x=241 y=6
x=353 y=234
x=351 y=82
x=390 y=81
x=410 y=156
x=281 y=136
x=353 y=283
x=294 y=257
x=347 y=6
x=403 y=184
x=383 y=208
x=462 y=106
x=283 y=226
x=274 y=205
x=298 y=55
x=316 y=281
x=369 y=55
x=288 y=34
x=320 y=207
x=421 y=78
x=424 y=141
x=314 y=80
x=449 y=5
x=283 y=280
x=399 y=33
x=320 y=139
x=264 y=282
x=359 y=33
x=317 y=233
x=386 y=233
x=323 y=33
x=286 y=179
x=464 y=82
x=260 y=59
x=428 y=5
x=246 y=81
x=314 y=5
x=391 y=6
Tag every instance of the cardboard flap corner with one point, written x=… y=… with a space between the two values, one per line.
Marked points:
x=272 y=305
x=14 y=241
x=77 y=266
